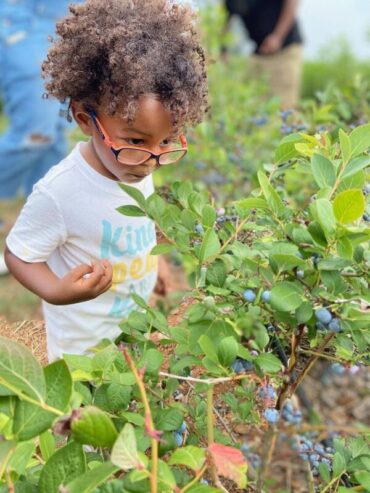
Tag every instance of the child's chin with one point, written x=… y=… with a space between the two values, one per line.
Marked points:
x=131 y=178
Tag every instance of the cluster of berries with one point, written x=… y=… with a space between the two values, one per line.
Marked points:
x=268 y=394
x=314 y=453
x=179 y=434
x=325 y=321
x=249 y=295
x=338 y=369
x=290 y=414
x=259 y=121
x=253 y=458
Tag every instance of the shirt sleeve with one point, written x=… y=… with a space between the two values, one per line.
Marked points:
x=39 y=229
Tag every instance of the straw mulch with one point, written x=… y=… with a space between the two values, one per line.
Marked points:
x=31 y=333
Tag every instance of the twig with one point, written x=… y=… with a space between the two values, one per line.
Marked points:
x=206 y=381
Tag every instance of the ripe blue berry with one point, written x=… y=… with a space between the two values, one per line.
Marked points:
x=334 y=325
x=267 y=392
x=237 y=366
x=323 y=315
x=266 y=296
x=366 y=217
x=249 y=295
x=271 y=415
x=198 y=229
x=182 y=428
x=178 y=438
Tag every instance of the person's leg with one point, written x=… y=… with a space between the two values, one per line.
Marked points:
x=33 y=141
x=283 y=72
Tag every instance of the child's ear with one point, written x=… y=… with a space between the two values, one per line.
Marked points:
x=82 y=118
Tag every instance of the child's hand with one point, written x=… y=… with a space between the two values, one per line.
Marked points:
x=85 y=282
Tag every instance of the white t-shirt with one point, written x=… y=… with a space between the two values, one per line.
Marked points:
x=71 y=219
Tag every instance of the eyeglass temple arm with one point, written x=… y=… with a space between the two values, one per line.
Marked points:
x=100 y=129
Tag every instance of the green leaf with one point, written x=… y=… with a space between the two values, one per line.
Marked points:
x=339 y=464
x=324 y=472
x=287 y=149
x=47 y=445
x=326 y=216
x=355 y=165
x=227 y=351
x=243 y=207
x=124 y=452
x=189 y=456
x=64 y=465
x=323 y=171
x=134 y=193
x=285 y=262
x=29 y=419
x=20 y=370
x=166 y=479
x=208 y=216
x=349 y=206
x=162 y=248
x=274 y=201
x=345 y=145
x=304 y=312
x=360 y=139
x=92 y=426
x=268 y=362
x=210 y=246
x=152 y=360
x=285 y=296
x=88 y=482
x=363 y=477
x=202 y=488
x=21 y=457
x=208 y=349
x=169 y=419
x=130 y=210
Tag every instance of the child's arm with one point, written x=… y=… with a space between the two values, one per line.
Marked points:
x=72 y=288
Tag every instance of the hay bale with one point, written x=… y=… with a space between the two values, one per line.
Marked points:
x=30 y=333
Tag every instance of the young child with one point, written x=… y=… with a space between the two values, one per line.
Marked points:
x=133 y=72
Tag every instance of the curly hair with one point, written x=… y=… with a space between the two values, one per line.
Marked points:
x=109 y=53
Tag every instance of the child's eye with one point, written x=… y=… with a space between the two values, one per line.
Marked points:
x=134 y=142
x=167 y=143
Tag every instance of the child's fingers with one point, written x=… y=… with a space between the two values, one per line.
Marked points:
x=95 y=276
x=80 y=271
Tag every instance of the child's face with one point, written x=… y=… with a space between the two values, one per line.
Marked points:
x=152 y=129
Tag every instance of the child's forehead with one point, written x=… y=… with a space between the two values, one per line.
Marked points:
x=151 y=116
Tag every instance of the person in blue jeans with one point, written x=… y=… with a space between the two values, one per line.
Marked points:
x=35 y=138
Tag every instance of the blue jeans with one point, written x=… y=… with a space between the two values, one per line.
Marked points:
x=35 y=138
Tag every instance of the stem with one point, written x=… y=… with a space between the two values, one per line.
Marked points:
x=206 y=381
x=25 y=397
x=267 y=451
x=320 y=355
x=232 y=237
x=149 y=425
x=333 y=481
x=195 y=479
x=311 y=484
x=210 y=431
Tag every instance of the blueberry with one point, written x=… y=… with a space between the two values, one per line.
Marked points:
x=200 y=165
x=271 y=415
x=267 y=392
x=204 y=481
x=334 y=325
x=271 y=328
x=337 y=369
x=249 y=295
x=237 y=366
x=198 y=229
x=178 y=438
x=244 y=449
x=366 y=217
x=323 y=315
x=255 y=460
x=182 y=428
x=247 y=365
x=266 y=296
x=367 y=189
x=303 y=456
x=319 y=449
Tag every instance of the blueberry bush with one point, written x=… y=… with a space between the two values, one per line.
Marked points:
x=279 y=279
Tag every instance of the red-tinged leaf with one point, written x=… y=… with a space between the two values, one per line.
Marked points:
x=229 y=463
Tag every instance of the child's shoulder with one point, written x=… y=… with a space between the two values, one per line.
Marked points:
x=64 y=175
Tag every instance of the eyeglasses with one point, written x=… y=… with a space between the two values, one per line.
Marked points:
x=133 y=156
